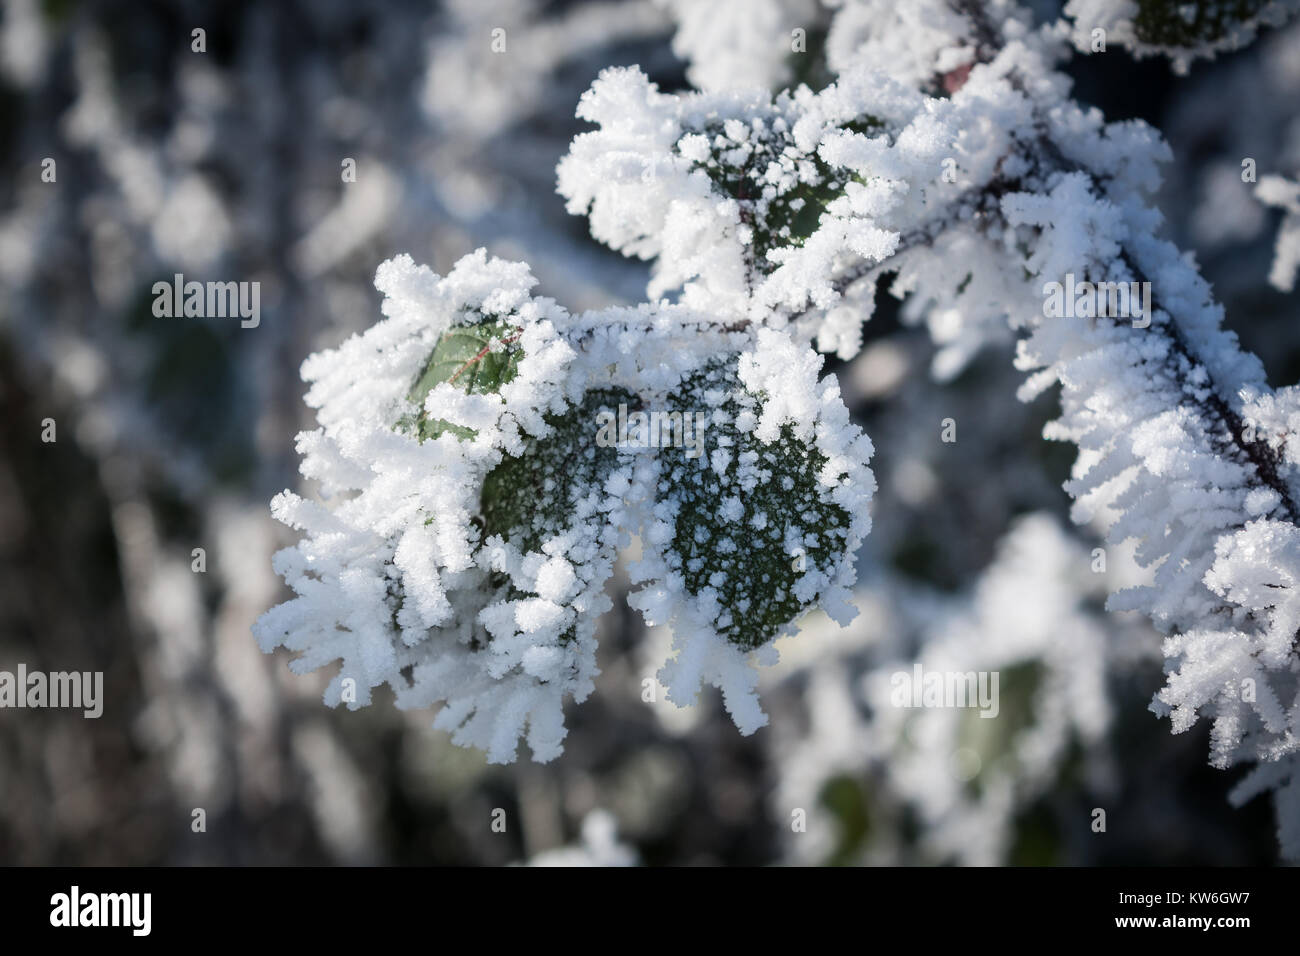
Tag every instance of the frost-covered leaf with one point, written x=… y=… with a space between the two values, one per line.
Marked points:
x=763 y=524
x=465 y=563
x=754 y=528
x=530 y=495
x=1178 y=23
x=477 y=357
x=781 y=192
x=752 y=203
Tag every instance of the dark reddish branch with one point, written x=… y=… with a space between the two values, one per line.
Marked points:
x=482 y=353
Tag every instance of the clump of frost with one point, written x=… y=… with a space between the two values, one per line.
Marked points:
x=475 y=513
x=920 y=40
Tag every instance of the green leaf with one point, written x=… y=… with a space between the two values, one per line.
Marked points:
x=850 y=803
x=759 y=576
x=528 y=499
x=785 y=218
x=464 y=358
x=531 y=498
x=993 y=740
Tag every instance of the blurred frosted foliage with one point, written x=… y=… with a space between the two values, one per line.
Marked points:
x=744 y=44
x=173 y=434
x=1184 y=32
x=1285 y=194
x=599 y=846
x=1223 y=123
x=1034 y=619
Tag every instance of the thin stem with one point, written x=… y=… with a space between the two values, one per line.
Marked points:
x=482 y=353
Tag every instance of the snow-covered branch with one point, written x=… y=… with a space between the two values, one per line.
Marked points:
x=786 y=210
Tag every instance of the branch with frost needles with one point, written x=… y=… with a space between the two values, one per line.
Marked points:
x=987 y=205
x=1253 y=566
x=978 y=203
x=1256 y=452
x=519 y=435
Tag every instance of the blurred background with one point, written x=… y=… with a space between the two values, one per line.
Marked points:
x=173 y=434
